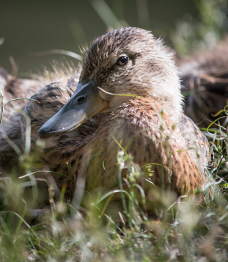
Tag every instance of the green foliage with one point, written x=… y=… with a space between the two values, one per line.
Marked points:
x=191 y=34
x=182 y=231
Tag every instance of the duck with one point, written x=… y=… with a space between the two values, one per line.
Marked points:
x=204 y=77
x=127 y=102
x=11 y=88
x=14 y=94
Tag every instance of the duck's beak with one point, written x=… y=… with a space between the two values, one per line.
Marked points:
x=84 y=103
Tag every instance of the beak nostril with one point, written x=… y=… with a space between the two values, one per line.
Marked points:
x=81 y=100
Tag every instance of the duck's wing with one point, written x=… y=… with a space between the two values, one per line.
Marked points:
x=205 y=82
x=196 y=142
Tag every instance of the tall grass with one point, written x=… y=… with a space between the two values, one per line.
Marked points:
x=183 y=230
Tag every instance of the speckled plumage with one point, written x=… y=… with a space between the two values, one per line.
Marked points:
x=96 y=141
x=205 y=75
x=138 y=122
x=150 y=69
x=10 y=88
x=90 y=150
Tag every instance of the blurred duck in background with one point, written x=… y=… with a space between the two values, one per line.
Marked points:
x=204 y=78
x=12 y=88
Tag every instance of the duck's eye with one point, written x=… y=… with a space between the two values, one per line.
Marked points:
x=123 y=60
x=80 y=100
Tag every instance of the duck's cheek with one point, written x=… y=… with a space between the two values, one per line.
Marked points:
x=118 y=100
x=114 y=99
x=104 y=94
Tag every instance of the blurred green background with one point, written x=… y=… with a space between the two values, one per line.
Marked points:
x=35 y=26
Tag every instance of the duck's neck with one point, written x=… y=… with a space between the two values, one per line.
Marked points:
x=167 y=94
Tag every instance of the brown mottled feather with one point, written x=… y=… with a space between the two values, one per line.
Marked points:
x=134 y=117
x=90 y=151
x=205 y=75
x=12 y=87
x=147 y=146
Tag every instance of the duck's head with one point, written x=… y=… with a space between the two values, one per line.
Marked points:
x=128 y=61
